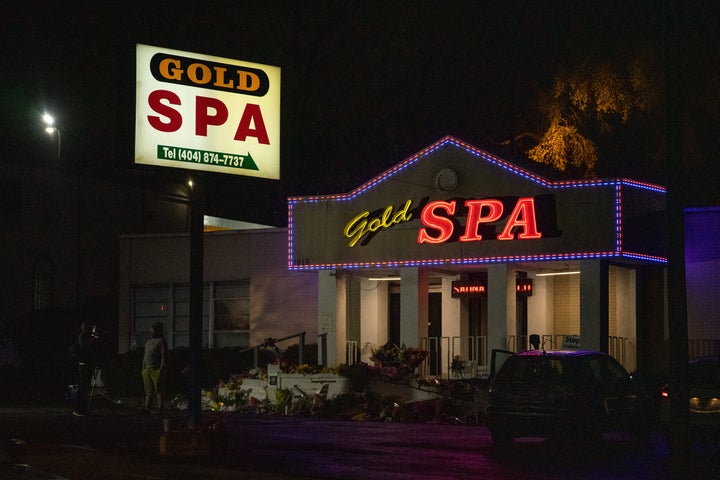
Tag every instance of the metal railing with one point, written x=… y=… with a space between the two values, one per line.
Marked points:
x=617 y=347
x=701 y=347
x=256 y=349
x=468 y=354
x=520 y=343
x=440 y=354
x=473 y=350
x=352 y=352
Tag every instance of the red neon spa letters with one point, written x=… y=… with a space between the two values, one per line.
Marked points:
x=479 y=212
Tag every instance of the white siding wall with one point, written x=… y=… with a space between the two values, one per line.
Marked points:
x=281 y=302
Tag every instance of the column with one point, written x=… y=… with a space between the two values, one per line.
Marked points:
x=413 y=306
x=331 y=314
x=501 y=306
x=374 y=314
x=594 y=310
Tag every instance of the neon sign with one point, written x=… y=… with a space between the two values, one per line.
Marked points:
x=479 y=212
x=524 y=287
x=469 y=288
x=360 y=226
x=557 y=211
x=479 y=288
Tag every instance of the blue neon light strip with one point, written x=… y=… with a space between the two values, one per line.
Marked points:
x=618 y=184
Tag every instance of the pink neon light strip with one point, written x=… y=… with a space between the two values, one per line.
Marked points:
x=617 y=183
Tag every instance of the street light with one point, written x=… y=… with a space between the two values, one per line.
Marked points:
x=51 y=128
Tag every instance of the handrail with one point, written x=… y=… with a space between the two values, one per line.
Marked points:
x=257 y=348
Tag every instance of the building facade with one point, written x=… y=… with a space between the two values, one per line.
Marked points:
x=461 y=252
x=453 y=250
x=248 y=295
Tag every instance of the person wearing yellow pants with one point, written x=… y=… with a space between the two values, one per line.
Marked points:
x=153 y=368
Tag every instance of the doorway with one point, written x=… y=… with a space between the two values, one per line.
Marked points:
x=435 y=332
x=477 y=330
x=394 y=316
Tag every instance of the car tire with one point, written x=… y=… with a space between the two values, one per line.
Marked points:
x=501 y=438
x=639 y=436
x=592 y=436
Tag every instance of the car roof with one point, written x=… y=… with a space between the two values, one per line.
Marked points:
x=706 y=360
x=559 y=353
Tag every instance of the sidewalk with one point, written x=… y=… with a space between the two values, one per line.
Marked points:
x=113 y=443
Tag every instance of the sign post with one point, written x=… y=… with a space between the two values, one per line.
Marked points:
x=201 y=112
x=207 y=114
x=197 y=209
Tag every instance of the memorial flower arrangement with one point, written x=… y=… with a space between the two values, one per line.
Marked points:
x=396 y=362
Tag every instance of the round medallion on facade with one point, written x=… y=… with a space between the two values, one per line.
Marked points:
x=446 y=180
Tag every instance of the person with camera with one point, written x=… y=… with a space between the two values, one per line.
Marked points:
x=83 y=351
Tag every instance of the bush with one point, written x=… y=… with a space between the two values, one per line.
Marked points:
x=310 y=354
x=121 y=373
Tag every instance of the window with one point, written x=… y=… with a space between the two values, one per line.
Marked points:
x=150 y=306
x=181 y=321
x=232 y=314
x=227 y=324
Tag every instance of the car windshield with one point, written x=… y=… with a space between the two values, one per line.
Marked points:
x=5 y=457
x=705 y=375
x=539 y=369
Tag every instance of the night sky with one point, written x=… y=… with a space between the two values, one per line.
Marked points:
x=365 y=84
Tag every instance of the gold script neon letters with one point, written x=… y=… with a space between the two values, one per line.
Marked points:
x=359 y=226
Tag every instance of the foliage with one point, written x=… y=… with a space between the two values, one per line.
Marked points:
x=587 y=103
x=121 y=374
x=358 y=374
x=360 y=404
x=561 y=145
x=396 y=362
x=391 y=354
x=289 y=358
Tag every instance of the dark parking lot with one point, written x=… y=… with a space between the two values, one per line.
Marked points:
x=117 y=443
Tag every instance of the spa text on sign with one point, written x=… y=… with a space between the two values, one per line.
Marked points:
x=207 y=113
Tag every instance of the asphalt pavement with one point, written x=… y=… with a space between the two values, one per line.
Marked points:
x=116 y=442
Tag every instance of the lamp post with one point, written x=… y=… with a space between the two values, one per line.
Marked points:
x=51 y=127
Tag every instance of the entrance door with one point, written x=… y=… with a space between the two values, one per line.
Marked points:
x=394 y=317
x=521 y=325
x=477 y=330
x=435 y=332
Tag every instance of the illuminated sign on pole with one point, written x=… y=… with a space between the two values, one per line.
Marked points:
x=201 y=112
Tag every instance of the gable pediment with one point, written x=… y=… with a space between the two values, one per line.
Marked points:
x=452 y=203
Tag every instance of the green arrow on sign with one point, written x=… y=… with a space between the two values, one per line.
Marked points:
x=205 y=157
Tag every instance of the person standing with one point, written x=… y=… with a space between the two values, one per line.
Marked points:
x=84 y=356
x=153 y=367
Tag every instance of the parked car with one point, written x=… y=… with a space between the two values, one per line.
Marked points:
x=13 y=468
x=703 y=379
x=9 y=356
x=567 y=394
